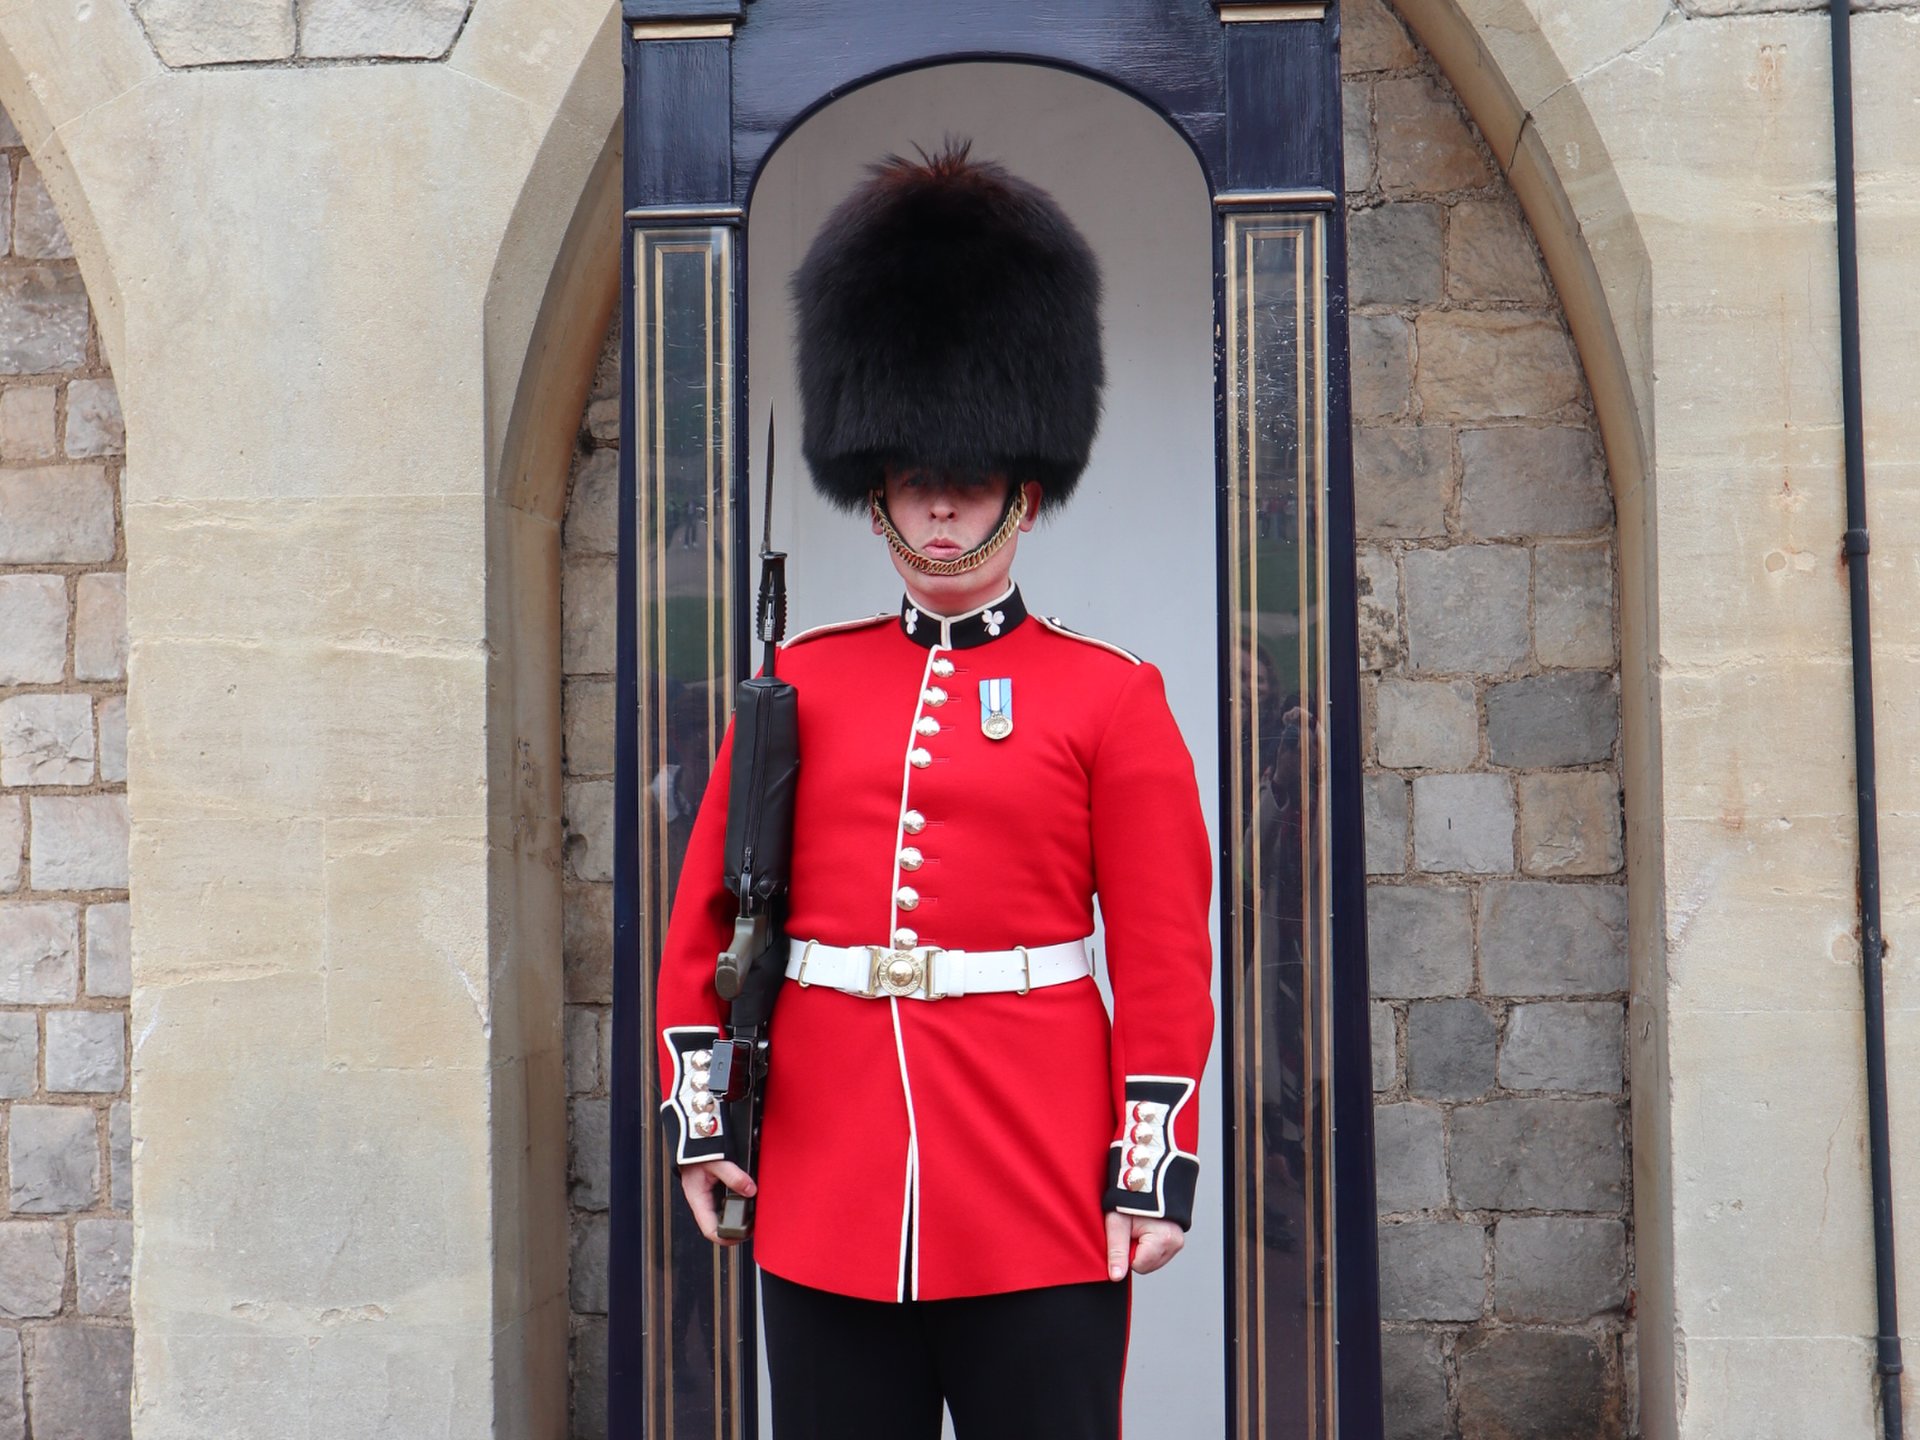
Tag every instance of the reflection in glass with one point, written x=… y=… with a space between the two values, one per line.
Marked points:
x=683 y=550
x=1277 y=1014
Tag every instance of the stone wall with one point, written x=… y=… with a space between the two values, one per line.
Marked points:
x=1496 y=909
x=65 y=1231
x=1493 y=796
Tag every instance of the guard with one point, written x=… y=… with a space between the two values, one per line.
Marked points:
x=962 y=1157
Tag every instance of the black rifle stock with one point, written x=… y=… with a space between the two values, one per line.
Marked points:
x=749 y=972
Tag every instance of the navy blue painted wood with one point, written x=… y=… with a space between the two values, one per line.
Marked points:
x=1283 y=117
x=682 y=9
x=679 y=119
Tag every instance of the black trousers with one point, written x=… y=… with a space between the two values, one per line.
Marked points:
x=1020 y=1366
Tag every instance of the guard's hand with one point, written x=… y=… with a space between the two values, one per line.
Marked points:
x=698 y=1180
x=1147 y=1242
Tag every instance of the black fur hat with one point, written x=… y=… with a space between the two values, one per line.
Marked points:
x=948 y=316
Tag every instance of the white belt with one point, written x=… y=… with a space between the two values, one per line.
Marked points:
x=927 y=972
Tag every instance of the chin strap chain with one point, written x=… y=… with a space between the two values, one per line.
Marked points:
x=973 y=559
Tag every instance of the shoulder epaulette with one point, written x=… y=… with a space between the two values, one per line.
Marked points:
x=835 y=626
x=1059 y=629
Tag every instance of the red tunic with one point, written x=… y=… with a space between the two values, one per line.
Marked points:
x=937 y=1148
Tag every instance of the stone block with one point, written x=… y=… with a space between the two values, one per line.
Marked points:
x=1569 y=717
x=1573 y=605
x=1463 y=823
x=1402 y=477
x=1538 y=1155
x=1422 y=140
x=46 y=740
x=1426 y=724
x=1379 y=1024
x=1385 y=803
x=1397 y=250
x=79 y=842
x=1372 y=38
x=43 y=321
x=1433 y=1270
x=588 y=707
x=55 y=514
x=1450 y=1049
x=113 y=738
x=1413 y=1378
x=1558 y=1268
x=589 y=821
x=1382 y=355
x=19 y=1054
x=1494 y=365
x=102 y=1261
x=1564 y=1045
x=1570 y=824
x=1409 y=1158
x=1419 y=940
x=1525 y=481
x=39 y=951
x=1467 y=608
x=86 y=1051
x=589 y=1154
x=587 y=587
x=79 y=1382
x=109 y=950
x=385 y=29
x=199 y=32
x=603 y=419
x=1356 y=134
x=33 y=627
x=587 y=1270
x=27 y=423
x=13 y=1381
x=33 y=1269
x=94 y=423
x=13 y=842
x=588 y=1353
x=100 y=627
x=587 y=943
x=1491 y=254
x=1538 y=938
x=53 y=1159
x=120 y=1153
x=583 y=1049
x=1524 y=1384
x=37 y=231
x=1378 y=579
x=592 y=526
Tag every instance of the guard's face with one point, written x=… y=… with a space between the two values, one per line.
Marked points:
x=943 y=517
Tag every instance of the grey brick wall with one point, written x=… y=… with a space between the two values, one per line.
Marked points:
x=1497 y=908
x=65 y=1138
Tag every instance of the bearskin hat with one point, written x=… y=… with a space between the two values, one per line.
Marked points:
x=949 y=317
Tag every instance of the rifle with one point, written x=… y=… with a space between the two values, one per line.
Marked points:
x=750 y=971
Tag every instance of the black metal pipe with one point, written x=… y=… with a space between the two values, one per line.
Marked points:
x=1879 y=1145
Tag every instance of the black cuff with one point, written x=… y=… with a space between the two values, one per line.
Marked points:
x=694 y=1120
x=1146 y=1174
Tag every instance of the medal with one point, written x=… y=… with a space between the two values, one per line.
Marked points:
x=996 y=708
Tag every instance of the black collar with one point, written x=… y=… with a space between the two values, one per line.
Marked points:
x=963 y=632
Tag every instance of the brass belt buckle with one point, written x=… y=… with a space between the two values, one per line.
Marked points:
x=899 y=973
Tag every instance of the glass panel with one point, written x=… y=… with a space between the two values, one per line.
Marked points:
x=683 y=551
x=1278 y=998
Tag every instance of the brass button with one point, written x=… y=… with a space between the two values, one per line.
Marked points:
x=905 y=939
x=943 y=668
x=706 y=1126
x=911 y=859
x=907 y=897
x=702 y=1104
x=1140 y=1155
x=699 y=1059
x=934 y=696
x=1137 y=1179
x=1145 y=1135
x=919 y=758
x=926 y=725
x=913 y=822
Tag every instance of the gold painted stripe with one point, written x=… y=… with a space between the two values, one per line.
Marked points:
x=686 y=212
x=683 y=29
x=1231 y=14
x=1234 y=199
